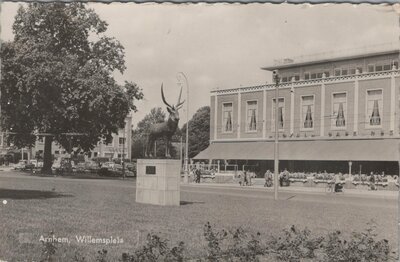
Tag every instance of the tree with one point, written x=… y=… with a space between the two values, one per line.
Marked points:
x=199 y=131
x=139 y=135
x=57 y=79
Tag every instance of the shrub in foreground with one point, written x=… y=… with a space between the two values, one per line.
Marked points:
x=292 y=245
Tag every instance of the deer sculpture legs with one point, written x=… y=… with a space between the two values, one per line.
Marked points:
x=151 y=147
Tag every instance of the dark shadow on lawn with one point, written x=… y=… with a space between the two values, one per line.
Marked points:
x=82 y=176
x=183 y=203
x=29 y=194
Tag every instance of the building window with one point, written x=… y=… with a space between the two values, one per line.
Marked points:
x=284 y=79
x=122 y=141
x=95 y=154
x=281 y=114
x=40 y=140
x=360 y=70
x=251 y=118
x=352 y=71
x=337 y=71
x=374 y=107
x=57 y=152
x=319 y=75
x=307 y=111
x=227 y=109
x=89 y=154
x=327 y=74
x=339 y=110
x=386 y=67
x=296 y=78
x=344 y=72
x=378 y=68
x=306 y=76
x=371 y=68
x=313 y=76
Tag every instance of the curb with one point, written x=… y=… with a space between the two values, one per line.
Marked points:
x=352 y=192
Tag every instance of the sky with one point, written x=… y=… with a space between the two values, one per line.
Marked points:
x=220 y=46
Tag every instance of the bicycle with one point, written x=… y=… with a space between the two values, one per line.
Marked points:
x=330 y=187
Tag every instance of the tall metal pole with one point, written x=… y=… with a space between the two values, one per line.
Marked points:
x=276 y=145
x=186 y=179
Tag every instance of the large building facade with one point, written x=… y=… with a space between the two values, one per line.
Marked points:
x=337 y=113
x=118 y=148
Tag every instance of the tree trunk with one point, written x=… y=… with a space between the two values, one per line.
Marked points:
x=47 y=159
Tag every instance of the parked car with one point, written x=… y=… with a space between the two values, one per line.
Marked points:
x=117 y=167
x=56 y=164
x=29 y=166
x=34 y=162
x=79 y=168
x=63 y=165
x=131 y=169
x=108 y=165
x=92 y=167
x=20 y=165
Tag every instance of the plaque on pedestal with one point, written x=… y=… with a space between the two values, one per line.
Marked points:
x=158 y=182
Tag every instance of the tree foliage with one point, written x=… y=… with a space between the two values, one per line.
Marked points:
x=199 y=131
x=57 y=78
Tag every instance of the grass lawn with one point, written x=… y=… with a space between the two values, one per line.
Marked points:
x=105 y=208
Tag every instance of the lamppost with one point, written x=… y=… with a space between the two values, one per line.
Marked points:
x=123 y=153
x=181 y=76
x=276 y=145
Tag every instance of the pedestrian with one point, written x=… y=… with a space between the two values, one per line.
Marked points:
x=338 y=185
x=268 y=178
x=372 y=181
x=198 y=175
x=191 y=175
x=249 y=177
x=286 y=177
x=245 y=178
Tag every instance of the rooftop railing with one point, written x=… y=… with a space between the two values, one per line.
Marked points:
x=370 y=49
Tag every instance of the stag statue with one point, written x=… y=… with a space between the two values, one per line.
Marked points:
x=166 y=129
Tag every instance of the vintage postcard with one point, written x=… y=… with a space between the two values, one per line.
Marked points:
x=199 y=132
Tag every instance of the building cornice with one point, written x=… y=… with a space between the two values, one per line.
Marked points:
x=304 y=83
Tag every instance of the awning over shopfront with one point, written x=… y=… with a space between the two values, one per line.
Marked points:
x=320 y=150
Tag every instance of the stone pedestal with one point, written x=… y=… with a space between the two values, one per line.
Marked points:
x=158 y=182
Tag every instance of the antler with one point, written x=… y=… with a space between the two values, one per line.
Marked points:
x=179 y=100
x=163 y=98
x=180 y=105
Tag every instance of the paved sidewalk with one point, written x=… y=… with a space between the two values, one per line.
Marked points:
x=311 y=190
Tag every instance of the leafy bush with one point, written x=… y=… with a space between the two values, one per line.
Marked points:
x=295 y=244
x=48 y=250
x=292 y=245
x=156 y=249
x=361 y=247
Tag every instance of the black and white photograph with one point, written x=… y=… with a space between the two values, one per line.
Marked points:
x=199 y=132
